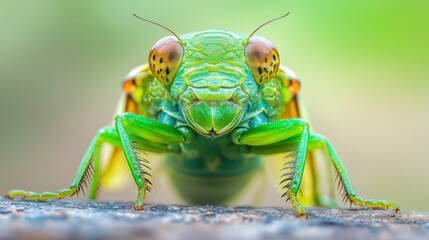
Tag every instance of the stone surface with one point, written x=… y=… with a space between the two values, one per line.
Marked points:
x=115 y=220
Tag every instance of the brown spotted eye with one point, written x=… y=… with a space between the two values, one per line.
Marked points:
x=262 y=58
x=165 y=58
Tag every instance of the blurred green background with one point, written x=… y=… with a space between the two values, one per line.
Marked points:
x=364 y=67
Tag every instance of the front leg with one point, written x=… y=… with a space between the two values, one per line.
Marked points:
x=290 y=135
x=89 y=164
x=320 y=142
x=293 y=136
x=135 y=129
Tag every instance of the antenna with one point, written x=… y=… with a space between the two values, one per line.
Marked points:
x=157 y=24
x=270 y=21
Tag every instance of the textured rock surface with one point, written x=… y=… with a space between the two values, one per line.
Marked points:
x=114 y=220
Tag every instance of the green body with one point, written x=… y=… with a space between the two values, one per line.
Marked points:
x=213 y=119
x=213 y=70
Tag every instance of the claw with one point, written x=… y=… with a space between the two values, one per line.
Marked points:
x=12 y=194
x=137 y=208
x=7 y=196
x=300 y=211
x=375 y=203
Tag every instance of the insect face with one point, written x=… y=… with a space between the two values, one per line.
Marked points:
x=213 y=75
x=213 y=84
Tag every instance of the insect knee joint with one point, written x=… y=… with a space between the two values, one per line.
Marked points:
x=236 y=135
x=121 y=116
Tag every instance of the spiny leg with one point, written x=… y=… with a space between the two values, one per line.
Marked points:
x=137 y=130
x=86 y=168
x=289 y=135
x=319 y=142
x=95 y=169
x=289 y=146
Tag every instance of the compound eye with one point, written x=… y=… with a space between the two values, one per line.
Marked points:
x=165 y=59
x=262 y=59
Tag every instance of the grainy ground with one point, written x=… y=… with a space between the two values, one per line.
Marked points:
x=114 y=220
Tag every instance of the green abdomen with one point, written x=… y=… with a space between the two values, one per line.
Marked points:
x=211 y=171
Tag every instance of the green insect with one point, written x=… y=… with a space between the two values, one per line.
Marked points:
x=213 y=103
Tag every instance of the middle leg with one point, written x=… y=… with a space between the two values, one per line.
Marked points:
x=132 y=130
x=289 y=135
x=320 y=142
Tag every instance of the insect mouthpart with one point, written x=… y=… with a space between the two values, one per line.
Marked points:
x=213 y=119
